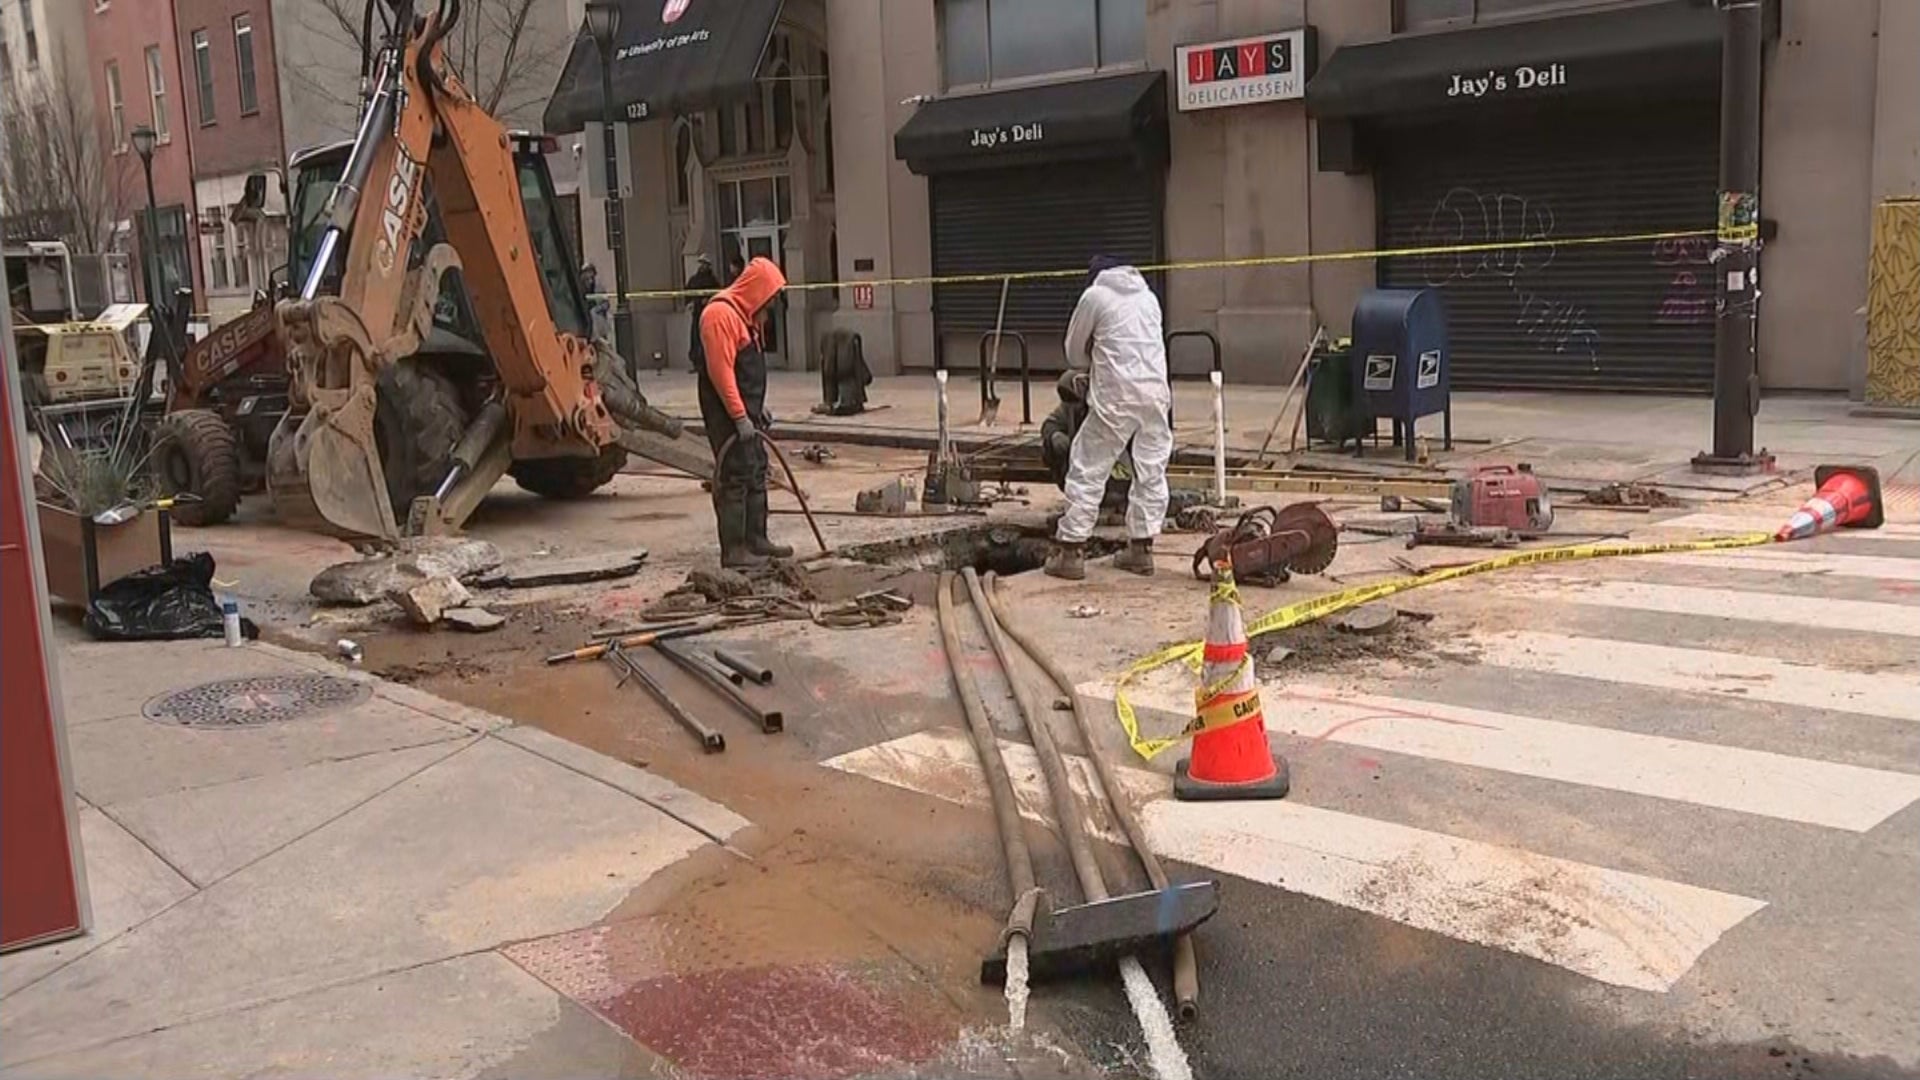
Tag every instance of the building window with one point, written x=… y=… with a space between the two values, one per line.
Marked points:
x=116 y=109
x=242 y=257
x=682 y=163
x=203 y=72
x=157 y=90
x=984 y=42
x=30 y=34
x=6 y=60
x=1438 y=14
x=217 y=261
x=244 y=63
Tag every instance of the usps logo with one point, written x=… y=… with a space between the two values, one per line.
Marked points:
x=671 y=13
x=1379 y=372
x=1428 y=376
x=1246 y=71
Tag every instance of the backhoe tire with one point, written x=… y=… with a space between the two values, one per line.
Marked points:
x=417 y=421
x=198 y=461
x=568 y=477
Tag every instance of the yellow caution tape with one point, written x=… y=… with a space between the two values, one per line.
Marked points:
x=1318 y=607
x=1215 y=711
x=1202 y=264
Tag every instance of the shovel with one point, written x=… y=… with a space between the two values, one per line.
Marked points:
x=989 y=397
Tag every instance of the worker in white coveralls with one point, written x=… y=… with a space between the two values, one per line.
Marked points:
x=1116 y=328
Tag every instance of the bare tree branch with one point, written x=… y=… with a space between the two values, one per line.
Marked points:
x=506 y=51
x=60 y=179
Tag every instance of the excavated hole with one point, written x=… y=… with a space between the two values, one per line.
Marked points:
x=1003 y=548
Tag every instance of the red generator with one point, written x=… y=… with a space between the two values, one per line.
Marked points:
x=1503 y=496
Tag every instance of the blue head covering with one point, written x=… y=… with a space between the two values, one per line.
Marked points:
x=1100 y=263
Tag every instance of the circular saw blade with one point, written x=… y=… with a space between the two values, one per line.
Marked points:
x=1323 y=536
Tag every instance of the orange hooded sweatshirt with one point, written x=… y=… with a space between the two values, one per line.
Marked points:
x=727 y=325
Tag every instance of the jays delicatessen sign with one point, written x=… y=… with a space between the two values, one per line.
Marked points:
x=1244 y=71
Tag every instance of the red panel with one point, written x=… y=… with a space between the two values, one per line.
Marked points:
x=38 y=894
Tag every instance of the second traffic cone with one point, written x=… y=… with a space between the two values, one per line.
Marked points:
x=1231 y=758
x=1848 y=497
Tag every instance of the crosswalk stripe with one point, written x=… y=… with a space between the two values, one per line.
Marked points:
x=1734 y=524
x=1813 y=612
x=1617 y=927
x=1797 y=562
x=1749 y=781
x=1753 y=678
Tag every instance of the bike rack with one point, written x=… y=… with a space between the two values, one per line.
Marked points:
x=989 y=399
x=1213 y=343
x=1217 y=376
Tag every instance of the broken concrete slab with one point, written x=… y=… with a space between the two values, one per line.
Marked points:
x=426 y=601
x=474 y=620
x=1367 y=619
x=417 y=560
x=530 y=573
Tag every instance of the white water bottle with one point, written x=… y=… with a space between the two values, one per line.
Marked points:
x=230 y=620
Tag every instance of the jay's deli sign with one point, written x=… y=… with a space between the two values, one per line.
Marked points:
x=1245 y=71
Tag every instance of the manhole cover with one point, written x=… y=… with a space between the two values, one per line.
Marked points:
x=261 y=699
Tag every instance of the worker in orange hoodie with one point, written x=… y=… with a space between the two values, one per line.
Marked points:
x=733 y=405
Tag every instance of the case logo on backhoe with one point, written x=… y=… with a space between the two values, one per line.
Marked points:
x=402 y=187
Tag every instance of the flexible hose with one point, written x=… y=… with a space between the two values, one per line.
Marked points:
x=720 y=460
x=1186 y=970
x=1006 y=809
x=1073 y=830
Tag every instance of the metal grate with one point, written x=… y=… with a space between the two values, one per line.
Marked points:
x=257 y=700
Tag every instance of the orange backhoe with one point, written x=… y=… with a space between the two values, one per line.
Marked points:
x=543 y=401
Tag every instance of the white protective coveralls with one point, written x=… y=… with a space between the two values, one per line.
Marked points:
x=1119 y=318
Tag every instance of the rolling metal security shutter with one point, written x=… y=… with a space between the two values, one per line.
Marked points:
x=1041 y=217
x=1635 y=316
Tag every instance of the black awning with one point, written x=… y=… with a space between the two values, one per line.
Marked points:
x=1639 y=49
x=1116 y=116
x=669 y=56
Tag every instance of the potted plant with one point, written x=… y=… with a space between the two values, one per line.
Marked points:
x=99 y=519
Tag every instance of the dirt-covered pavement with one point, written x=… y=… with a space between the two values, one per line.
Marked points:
x=1645 y=817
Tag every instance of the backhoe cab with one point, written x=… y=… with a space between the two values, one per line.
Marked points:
x=439 y=337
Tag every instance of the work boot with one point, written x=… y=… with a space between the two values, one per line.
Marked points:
x=757 y=541
x=1137 y=559
x=1068 y=561
x=736 y=551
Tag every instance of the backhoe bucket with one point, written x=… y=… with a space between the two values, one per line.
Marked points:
x=325 y=474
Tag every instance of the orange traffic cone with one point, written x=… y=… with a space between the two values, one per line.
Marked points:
x=1231 y=759
x=1848 y=497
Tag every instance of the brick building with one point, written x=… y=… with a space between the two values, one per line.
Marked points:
x=231 y=106
x=136 y=80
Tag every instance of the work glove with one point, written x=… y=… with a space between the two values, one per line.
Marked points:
x=744 y=430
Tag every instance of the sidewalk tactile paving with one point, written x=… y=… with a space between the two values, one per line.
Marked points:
x=255 y=700
x=713 y=1007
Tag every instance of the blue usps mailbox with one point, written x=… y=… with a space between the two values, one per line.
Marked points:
x=1400 y=359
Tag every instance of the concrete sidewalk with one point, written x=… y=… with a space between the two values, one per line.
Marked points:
x=1577 y=440
x=330 y=893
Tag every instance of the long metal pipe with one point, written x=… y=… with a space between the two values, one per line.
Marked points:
x=1186 y=970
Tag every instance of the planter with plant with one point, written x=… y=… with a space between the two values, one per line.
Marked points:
x=98 y=517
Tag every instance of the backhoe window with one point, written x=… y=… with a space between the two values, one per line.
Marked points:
x=316 y=181
x=556 y=263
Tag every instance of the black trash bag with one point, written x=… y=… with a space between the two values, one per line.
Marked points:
x=168 y=602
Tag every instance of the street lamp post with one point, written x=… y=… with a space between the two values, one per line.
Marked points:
x=158 y=307
x=603 y=22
